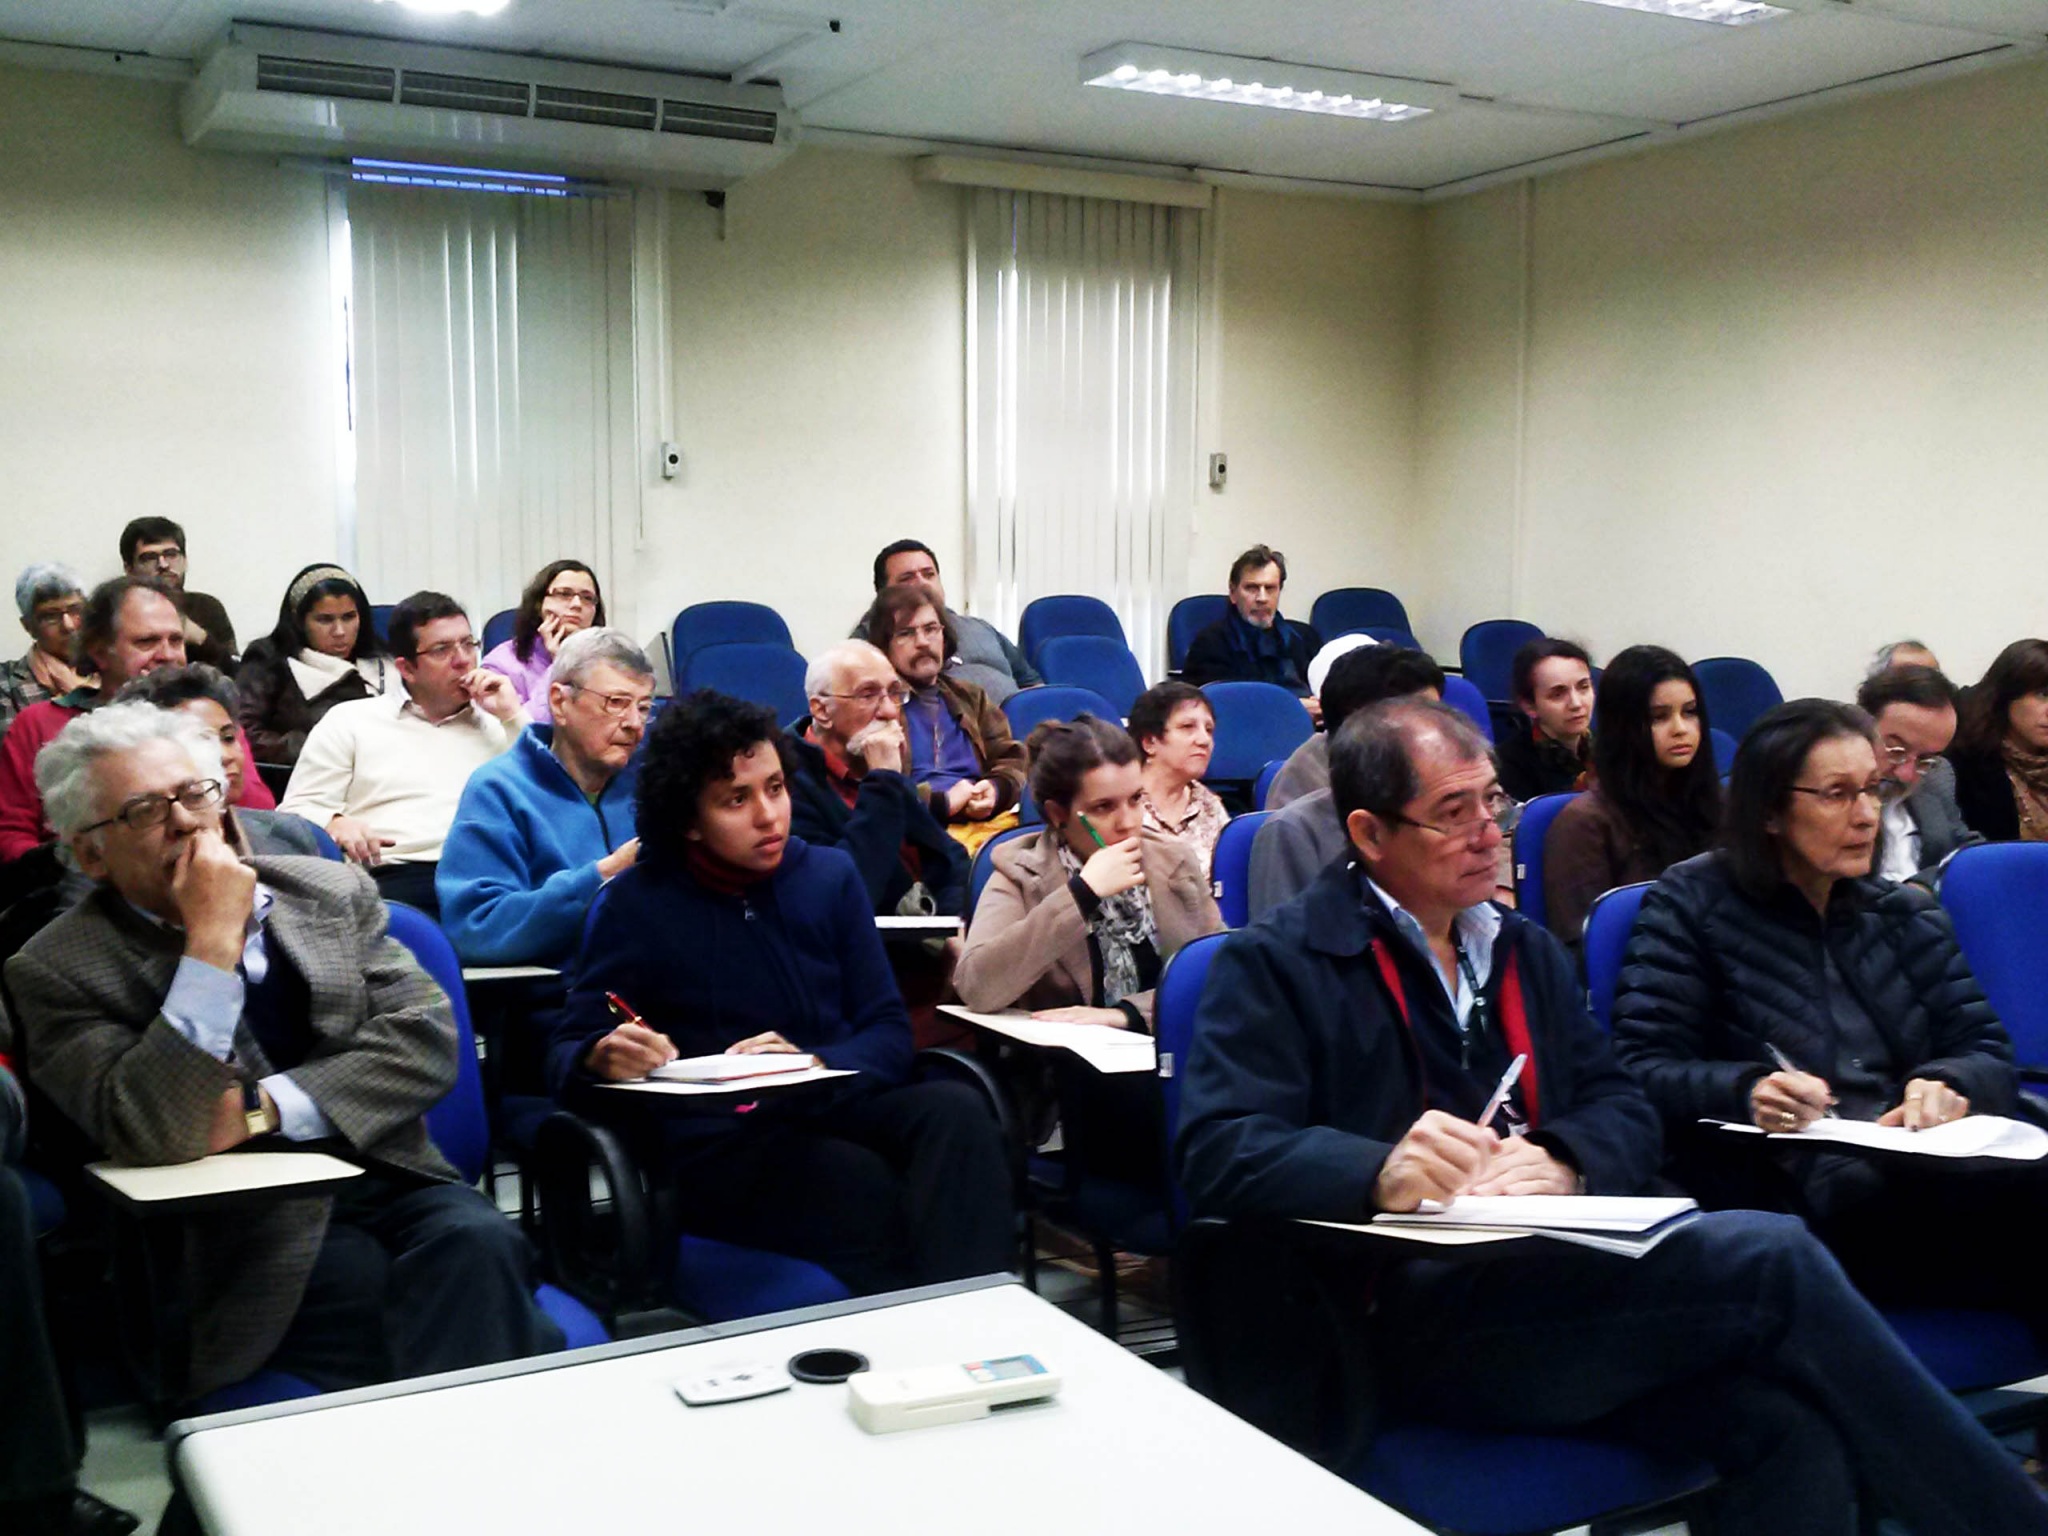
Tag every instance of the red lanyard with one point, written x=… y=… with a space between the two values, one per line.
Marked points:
x=1514 y=1022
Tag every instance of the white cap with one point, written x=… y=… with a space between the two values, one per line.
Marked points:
x=1326 y=658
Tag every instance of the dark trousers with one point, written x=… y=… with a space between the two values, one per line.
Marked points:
x=412 y=1279
x=1738 y=1339
x=36 y=1453
x=906 y=1186
x=411 y=883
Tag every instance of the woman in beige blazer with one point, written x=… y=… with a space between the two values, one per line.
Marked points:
x=1077 y=921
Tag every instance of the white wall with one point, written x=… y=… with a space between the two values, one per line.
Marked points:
x=1784 y=390
x=163 y=344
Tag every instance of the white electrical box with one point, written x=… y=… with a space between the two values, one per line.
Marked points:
x=885 y=1401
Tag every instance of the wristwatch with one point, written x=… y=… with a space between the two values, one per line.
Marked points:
x=259 y=1118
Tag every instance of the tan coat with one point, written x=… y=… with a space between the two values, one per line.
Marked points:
x=1028 y=943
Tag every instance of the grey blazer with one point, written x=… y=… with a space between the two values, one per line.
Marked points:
x=89 y=989
x=1933 y=807
x=1292 y=848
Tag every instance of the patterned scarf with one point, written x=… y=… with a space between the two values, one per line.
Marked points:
x=2028 y=772
x=1121 y=923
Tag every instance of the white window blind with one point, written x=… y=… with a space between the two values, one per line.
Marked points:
x=1081 y=405
x=491 y=353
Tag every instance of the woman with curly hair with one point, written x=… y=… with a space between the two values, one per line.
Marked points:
x=729 y=935
x=562 y=598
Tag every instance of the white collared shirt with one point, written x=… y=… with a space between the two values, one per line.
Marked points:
x=1901 y=861
x=1474 y=930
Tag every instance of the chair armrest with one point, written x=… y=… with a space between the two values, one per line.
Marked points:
x=605 y=1258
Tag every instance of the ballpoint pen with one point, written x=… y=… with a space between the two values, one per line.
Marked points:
x=1785 y=1065
x=1500 y=1092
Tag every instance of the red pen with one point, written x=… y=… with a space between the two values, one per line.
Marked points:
x=622 y=1010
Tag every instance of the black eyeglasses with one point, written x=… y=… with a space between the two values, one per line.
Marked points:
x=147 y=811
x=1496 y=806
x=1839 y=797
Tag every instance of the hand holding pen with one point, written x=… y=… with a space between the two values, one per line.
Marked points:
x=1788 y=1099
x=1113 y=867
x=631 y=1050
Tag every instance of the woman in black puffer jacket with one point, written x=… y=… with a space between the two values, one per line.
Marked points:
x=1776 y=979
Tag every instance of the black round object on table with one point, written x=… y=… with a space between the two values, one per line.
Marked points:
x=826 y=1367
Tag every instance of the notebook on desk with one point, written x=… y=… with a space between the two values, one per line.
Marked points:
x=1630 y=1225
x=1972 y=1136
x=727 y=1067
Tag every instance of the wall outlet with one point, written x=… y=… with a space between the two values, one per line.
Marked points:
x=1219 y=470
x=671 y=460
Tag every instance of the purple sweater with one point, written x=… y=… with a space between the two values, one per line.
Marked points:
x=529 y=678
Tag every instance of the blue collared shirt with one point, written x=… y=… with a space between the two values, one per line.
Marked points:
x=205 y=1006
x=1474 y=931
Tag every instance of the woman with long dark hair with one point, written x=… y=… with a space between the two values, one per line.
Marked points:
x=323 y=652
x=562 y=598
x=2001 y=751
x=1655 y=798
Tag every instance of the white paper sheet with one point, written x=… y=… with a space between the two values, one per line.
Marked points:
x=1971 y=1136
x=728 y=1067
x=1102 y=1047
x=225 y=1173
x=743 y=1086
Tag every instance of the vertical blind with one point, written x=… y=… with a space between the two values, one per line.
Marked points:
x=1081 y=405
x=492 y=363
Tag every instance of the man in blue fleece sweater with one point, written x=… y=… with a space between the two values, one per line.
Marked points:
x=542 y=827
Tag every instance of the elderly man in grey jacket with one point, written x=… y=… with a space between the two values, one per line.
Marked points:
x=198 y=1003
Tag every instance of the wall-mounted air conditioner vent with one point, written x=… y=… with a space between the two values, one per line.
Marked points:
x=272 y=90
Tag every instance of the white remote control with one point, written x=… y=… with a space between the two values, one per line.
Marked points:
x=733 y=1383
x=885 y=1401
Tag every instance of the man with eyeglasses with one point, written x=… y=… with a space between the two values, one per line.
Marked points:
x=1345 y=1050
x=982 y=654
x=127 y=629
x=1914 y=709
x=197 y=1003
x=384 y=775
x=153 y=549
x=541 y=828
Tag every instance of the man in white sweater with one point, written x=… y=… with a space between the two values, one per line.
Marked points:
x=384 y=775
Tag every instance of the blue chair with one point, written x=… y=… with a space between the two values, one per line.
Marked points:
x=1724 y=746
x=984 y=863
x=1188 y=618
x=723 y=623
x=1231 y=866
x=1174 y=1004
x=1065 y=614
x=380 y=619
x=1735 y=691
x=1530 y=832
x=1996 y=894
x=1031 y=707
x=1262 y=786
x=1256 y=723
x=1609 y=922
x=1463 y=696
x=1095 y=662
x=498 y=628
x=1486 y=654
x=1343 y=609
x=1386 y=634
x=329 y=848
x=768 y=675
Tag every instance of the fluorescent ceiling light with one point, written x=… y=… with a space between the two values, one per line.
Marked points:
x=1195 y=76
x=451 y=7
x=1726 y=13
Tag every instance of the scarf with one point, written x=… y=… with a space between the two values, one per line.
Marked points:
x=715 y=874
x=1267 y=650
x=2028 y=772
x=1121 y=923
x=315 y=671
x=55 y=676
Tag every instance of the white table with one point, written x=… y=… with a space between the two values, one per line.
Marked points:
x=598 y=1441
x=507 y=972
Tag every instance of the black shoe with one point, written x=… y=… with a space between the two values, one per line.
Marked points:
x=95 y=1517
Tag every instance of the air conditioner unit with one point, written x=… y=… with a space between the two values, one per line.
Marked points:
x=277 y=91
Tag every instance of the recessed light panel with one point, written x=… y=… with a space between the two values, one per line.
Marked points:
x=1724 y=13
x=450 y=7
x=1159 y=71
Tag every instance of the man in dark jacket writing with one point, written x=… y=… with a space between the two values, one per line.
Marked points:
x=1346 y=1044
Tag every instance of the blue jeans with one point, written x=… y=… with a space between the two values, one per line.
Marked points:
x=1738 y=1339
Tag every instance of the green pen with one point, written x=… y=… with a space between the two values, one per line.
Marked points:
x=1089 y=827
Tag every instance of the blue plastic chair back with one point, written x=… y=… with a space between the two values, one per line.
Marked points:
x=1486 y=654
x=1188 y=618
x=769 y=675
x=1031 y=707
x=1464 y=696
x=1173 y=1025
x=458 y=1124
x=1255 y=724
x=1067 y=613
x=1347 y=608
x=1230 y=868
x=1530 y=833
x=1262 y=786
x=985 y=862
x=1609 y=922
x=380 y=619
x=498 y=628
x=1996 y=894
x=724 y=623
x=1724 y=746
x=1095 y=662
x=329 y=848
x=1385 y=635
x=1735 y=691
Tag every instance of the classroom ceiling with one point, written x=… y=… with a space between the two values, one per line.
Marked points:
x=1534 y=82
